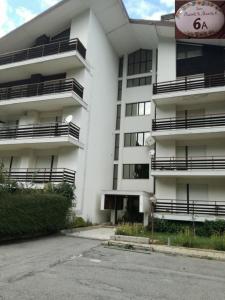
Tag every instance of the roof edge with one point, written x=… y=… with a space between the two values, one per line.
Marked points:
x=152 y=22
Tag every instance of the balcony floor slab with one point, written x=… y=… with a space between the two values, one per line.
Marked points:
x=203 y=95
x=190 y=134
x=39 y=143
x=42 y=103
x=47 y=65
x=188 y=173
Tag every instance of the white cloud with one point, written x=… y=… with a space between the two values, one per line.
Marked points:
x=139 y=8
x=168 y=3
x=24 y=14
x=6 y=23
x=48 y=3
x=156 y=15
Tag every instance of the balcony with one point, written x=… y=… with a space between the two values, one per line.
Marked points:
x=190 y=207
x=191 y=166
x=207 y=126
x=52 y=58
x=190 y=90
x=40 y=176
x=39 y=136
x=47 y=96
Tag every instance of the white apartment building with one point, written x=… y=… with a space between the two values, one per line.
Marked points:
x=84 y=94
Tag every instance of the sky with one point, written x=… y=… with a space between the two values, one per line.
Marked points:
x=14 y=13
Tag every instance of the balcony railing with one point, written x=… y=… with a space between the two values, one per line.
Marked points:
x=43 y=175
x=39 y=130
x=42 y=88
x=190 y=207
x=43 y=50
x=190 y=163
x=190 y=122
x=189 y=83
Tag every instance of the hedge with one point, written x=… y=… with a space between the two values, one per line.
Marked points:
x=205 y=229
x=29 y=215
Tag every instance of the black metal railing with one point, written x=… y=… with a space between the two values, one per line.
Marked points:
x=190 y=163
x=41 y=175
x=189 y=83
x=190 y=207
x=190 y=122
x=39 y=130
x=43 y=50
x=41 y=88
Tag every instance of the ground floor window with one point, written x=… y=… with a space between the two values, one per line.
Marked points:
x=136 y=171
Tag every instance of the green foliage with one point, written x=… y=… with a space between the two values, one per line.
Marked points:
x=206 y=229
x=131 y=230
x=185 y=238
x=65 y=189
x=77 y=222
x=27 y=215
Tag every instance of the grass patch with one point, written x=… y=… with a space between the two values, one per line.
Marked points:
x=184 y=239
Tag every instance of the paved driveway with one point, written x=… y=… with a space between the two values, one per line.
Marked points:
x=61 y=268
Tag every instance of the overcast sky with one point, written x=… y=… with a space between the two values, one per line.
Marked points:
x=16 y=12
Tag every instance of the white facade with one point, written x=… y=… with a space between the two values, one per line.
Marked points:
x=106 y=171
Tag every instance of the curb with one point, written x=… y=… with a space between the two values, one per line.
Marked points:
x=171 y=250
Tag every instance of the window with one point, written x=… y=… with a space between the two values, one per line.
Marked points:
x=139 y=81
x=117 y=145
x=115 y=177
x=118 y=117
x=121 y=67
x=139 y=171
x=119 y=96
x=139 y=62
x=136 y=139
x=138 y=109
x=188 y=51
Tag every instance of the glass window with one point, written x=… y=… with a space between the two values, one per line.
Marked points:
x=121 y=66
x=129 y=110
x=126 y=171
x=127 y=140
x=135 y=139
x=138 y=171
x=141 y=110
x=115 y=177
x=188 y=51
x=117 y=145
x=147 y=108
x=139 y=62
x=119 y=96
x=141 y=81
x=138 y=109
x=118 y=117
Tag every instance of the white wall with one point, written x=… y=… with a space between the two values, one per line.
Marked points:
x=102 y=94
x=166 y=60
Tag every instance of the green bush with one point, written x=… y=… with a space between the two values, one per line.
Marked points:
x=77 y=222
x=131 y=230
x=206 y=229
x=32 y=214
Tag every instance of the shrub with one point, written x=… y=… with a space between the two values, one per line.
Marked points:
x=76 y=222
x=206 y=229
x=131 y=230
x=32 y=214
